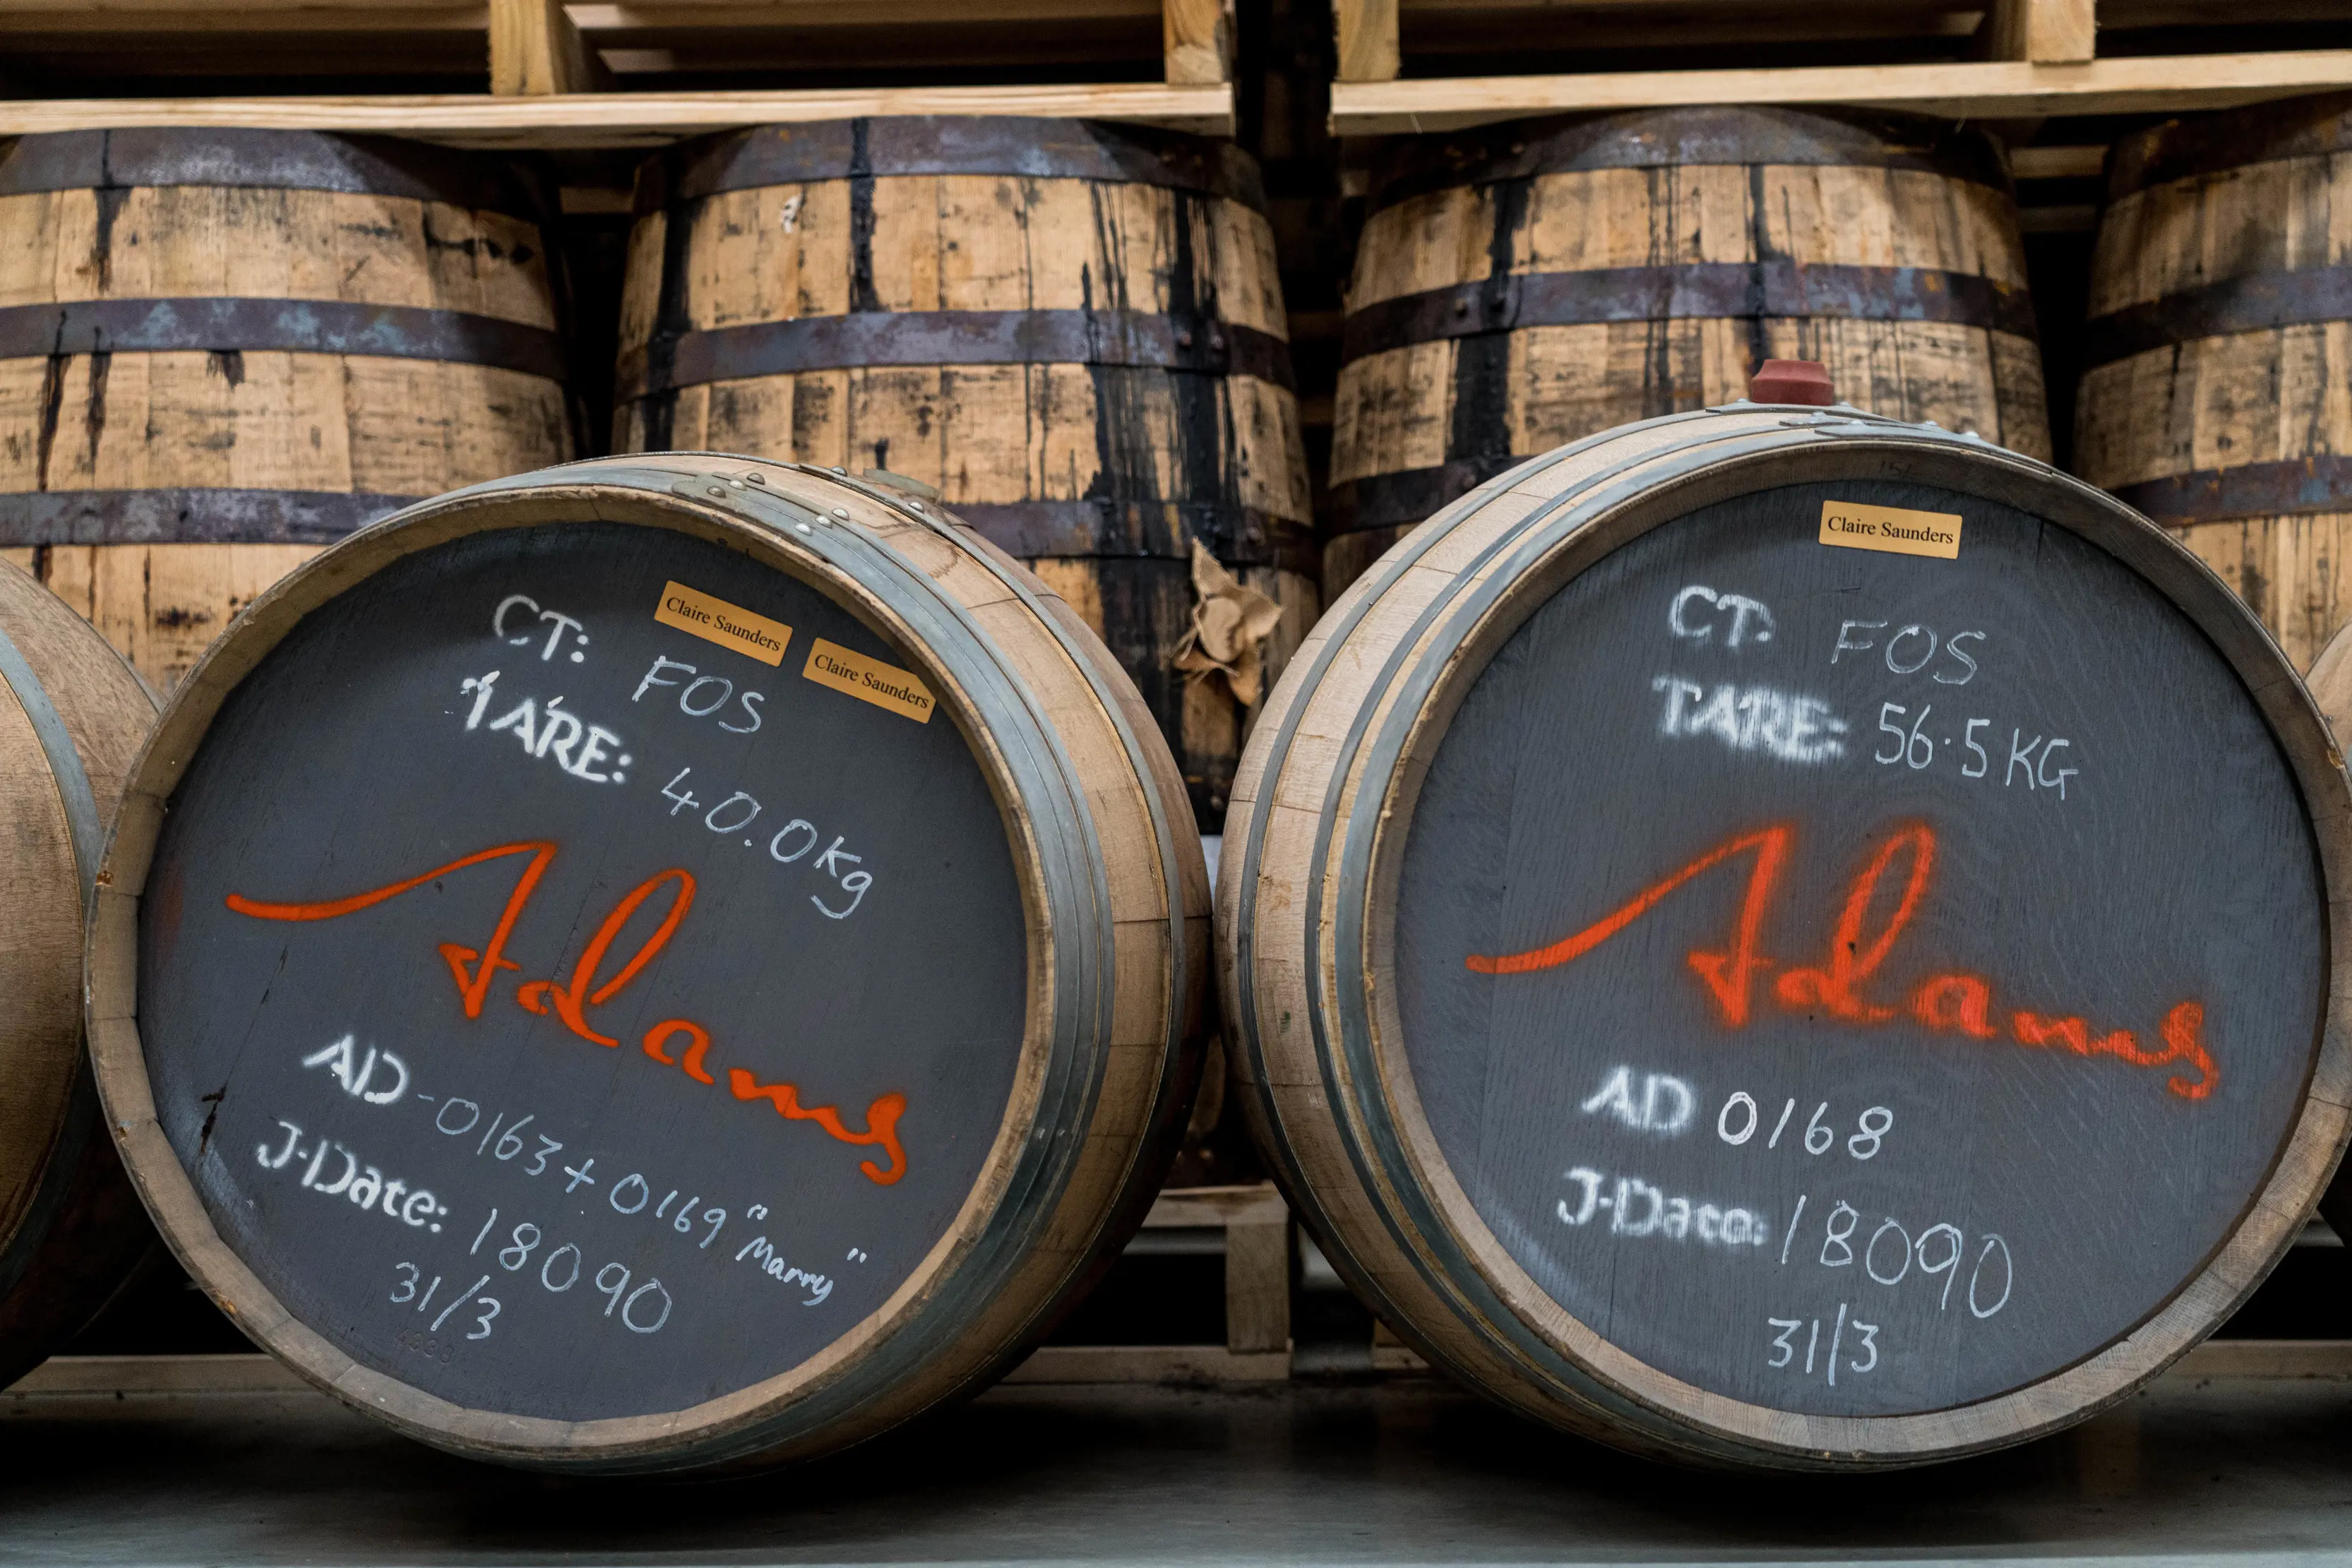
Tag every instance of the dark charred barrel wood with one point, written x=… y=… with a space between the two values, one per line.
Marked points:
x=1739 y=919
x=73 y=716
x=1074 y=332
x=663 y=963
x=2219 y=304
x=221 y=348
x=1524 y=285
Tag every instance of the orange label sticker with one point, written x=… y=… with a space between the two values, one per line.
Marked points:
x=728 y=626
x=1891 y=529
x=870 y=680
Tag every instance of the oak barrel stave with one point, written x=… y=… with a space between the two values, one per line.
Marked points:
x=221 y=349
x=1022 y=1029
x=1534 y=283
x=1074 y=332
x=70 y=1228
x=1344 y=915
x=2220 y=299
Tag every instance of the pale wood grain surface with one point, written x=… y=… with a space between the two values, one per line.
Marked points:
x=1990 y=88
x=623 y=119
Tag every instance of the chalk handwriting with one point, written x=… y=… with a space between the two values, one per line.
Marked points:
x=548 y=730
x=1698 y=612
x=1915 y=747
x=770 y=1262
x=1751 y=718
x=1890 y=1253
x=1866 y=1333
x=569 y=1001
x=1664 y=1106
x=1911 y=650
x=701 y=696
x=642 y=1311
x=1638 y=1208
x=505 y=622
x=790 y=844
x=1842 y=988
x=406 y=1291
x=1737 y=1121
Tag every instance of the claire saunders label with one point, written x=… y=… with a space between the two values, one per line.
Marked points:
x=1852 y=526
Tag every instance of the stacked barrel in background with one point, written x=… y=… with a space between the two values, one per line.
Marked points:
x=2220 y=348
x=1074 y=332
x=222 y=349
x=1531 y=284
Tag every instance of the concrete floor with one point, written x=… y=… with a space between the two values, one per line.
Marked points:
x=1403 y=1471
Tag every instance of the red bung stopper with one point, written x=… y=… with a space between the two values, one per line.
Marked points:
x=1792 y=380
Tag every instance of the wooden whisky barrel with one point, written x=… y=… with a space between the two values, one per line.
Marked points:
x=2331 y=687
x=1527 y=284
x=221 y=349
x=1797 y=939
x=2221 y=332
x=71 y=717
x=1074 y=332
x=657 y=964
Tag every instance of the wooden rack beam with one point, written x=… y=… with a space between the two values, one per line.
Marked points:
x=1987 y=90
x=624 y=119
x=2048 y=32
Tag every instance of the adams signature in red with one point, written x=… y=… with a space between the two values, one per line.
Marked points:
x=1840 y=987
x=569 y=1001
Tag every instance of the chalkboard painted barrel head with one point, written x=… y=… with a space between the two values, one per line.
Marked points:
x=1775 y=935
x=661 y=963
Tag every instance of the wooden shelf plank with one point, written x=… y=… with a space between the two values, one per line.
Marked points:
x=623 y=119
x=1997 y=89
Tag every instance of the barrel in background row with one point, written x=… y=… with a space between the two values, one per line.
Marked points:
x=1534 y=283
x=221 y=349
x=1073 y=331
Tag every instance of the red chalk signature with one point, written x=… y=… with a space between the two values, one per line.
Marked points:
x=571 y=1000
x=1842 y=987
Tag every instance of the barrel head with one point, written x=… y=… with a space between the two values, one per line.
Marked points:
x=582 y=973
x=1860 y=949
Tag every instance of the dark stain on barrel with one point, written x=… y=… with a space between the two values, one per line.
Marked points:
x=1480 y=434
x=111 y=198
x=93 y=413
x=228 y=364
x=863 y=296
x=1757 y=302
x=212 y=1118
x=1204 y=436
x=53 y=399
x=1123 y=465
x=658 y=410
x=1657 y=336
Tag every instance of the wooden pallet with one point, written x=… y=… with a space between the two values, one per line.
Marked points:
x=1999 y=59
x=587 y=75
x=1255 y=1226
